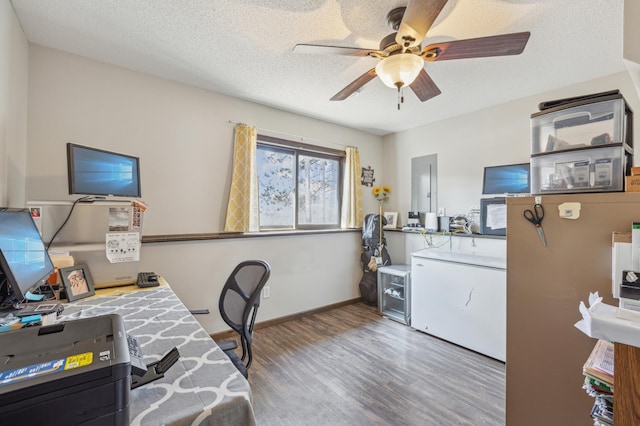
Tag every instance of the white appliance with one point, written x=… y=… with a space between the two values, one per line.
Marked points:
x=461 y=297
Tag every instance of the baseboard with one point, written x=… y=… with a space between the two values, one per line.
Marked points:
x=224 y=335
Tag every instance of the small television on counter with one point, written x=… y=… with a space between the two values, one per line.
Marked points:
x=24 y=260
x=93 y=171
x=507 y=179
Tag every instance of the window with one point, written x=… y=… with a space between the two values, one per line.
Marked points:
x=299 y=185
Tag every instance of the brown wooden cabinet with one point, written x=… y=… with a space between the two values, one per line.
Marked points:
x=626 y=393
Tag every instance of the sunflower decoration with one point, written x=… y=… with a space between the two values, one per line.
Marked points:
x=381 y=193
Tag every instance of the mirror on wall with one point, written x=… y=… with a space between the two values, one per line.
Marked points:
x=424 y=179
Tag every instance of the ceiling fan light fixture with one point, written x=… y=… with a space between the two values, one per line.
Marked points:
x=399 y=70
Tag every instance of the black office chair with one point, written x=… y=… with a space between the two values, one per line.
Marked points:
x=239 y=302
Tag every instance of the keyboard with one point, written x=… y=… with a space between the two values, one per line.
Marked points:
x=138 y=367
x=148 y=279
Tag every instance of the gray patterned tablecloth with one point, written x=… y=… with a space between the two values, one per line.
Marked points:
x=202 y=388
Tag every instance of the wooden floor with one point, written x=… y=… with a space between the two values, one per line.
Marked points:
x=350 y=366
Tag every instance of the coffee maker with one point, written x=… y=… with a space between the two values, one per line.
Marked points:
x=414 y=220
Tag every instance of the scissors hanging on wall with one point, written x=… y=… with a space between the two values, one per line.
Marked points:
x=535 y=216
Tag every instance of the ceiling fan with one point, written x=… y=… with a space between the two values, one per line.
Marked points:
x=402 y=56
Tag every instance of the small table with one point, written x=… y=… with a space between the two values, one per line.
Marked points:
x=203 y=387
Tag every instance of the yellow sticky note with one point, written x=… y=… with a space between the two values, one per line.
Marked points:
x=80 y=360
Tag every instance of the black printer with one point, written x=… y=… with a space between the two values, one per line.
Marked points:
x=77 y=372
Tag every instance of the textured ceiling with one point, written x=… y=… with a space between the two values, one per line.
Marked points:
x=243 y=48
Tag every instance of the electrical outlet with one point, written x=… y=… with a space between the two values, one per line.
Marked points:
x=441 y=212
x=266 y=292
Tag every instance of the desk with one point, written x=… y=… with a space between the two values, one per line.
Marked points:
x=203 y=387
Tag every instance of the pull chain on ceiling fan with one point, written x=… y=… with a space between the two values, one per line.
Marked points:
x=402 y=59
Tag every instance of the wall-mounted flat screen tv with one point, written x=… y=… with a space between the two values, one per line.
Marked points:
x=95 y=171
x=507 y=179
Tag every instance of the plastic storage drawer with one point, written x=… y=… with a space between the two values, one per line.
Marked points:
x=585 y=124
x=581 y=170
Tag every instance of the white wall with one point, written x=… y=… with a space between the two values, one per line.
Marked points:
x=14 y=50
x=631 y=42
x=183 y=137
x=468 y=143
x=184 y=140
x=307 y=271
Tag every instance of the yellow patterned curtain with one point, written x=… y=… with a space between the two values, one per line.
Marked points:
x=243 y=214
x=352 y=215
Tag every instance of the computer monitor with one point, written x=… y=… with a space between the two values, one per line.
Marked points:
x=24 y=260
x=506 y=179
x=93 y=171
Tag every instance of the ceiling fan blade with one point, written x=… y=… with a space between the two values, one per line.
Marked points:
x=500 y=45
x=317 y=49
x=418 y=18
x=424 y=87
x=355 y=85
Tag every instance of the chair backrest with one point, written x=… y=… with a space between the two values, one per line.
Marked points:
x=240 y=297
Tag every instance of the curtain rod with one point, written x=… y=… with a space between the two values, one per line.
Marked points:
x=302 y=138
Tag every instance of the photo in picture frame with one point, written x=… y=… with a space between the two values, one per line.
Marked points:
x=392 y=220
x=77 y=282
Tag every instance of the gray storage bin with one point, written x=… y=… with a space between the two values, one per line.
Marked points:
x=582 y=144
x=586 y=170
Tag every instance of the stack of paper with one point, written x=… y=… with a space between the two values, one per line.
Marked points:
x=598 y=373
x=599 y=365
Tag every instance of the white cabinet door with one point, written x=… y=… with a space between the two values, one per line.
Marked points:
x=464 y=304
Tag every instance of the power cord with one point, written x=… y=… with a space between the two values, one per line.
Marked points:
x=431 y=243
x=67 y=219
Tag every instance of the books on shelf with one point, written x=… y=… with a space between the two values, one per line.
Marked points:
x=598 y=382
x=602 y=411
x=596 y=387
x=599 y=365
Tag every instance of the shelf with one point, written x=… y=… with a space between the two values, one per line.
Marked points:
x=393 y=301
x=397 y=316
x=393 y=297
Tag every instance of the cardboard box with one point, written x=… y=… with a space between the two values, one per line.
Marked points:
x=632 y=184
x=635 y=171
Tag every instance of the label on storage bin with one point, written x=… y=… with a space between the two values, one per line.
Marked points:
x=30 y=372
x=603 y=172
x=581 y=174
x=80 y=360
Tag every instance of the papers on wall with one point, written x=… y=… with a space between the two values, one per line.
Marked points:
x=122 y=219
x=123 y=247
x=496 y=216
x=36 y=215
x=119 y=218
